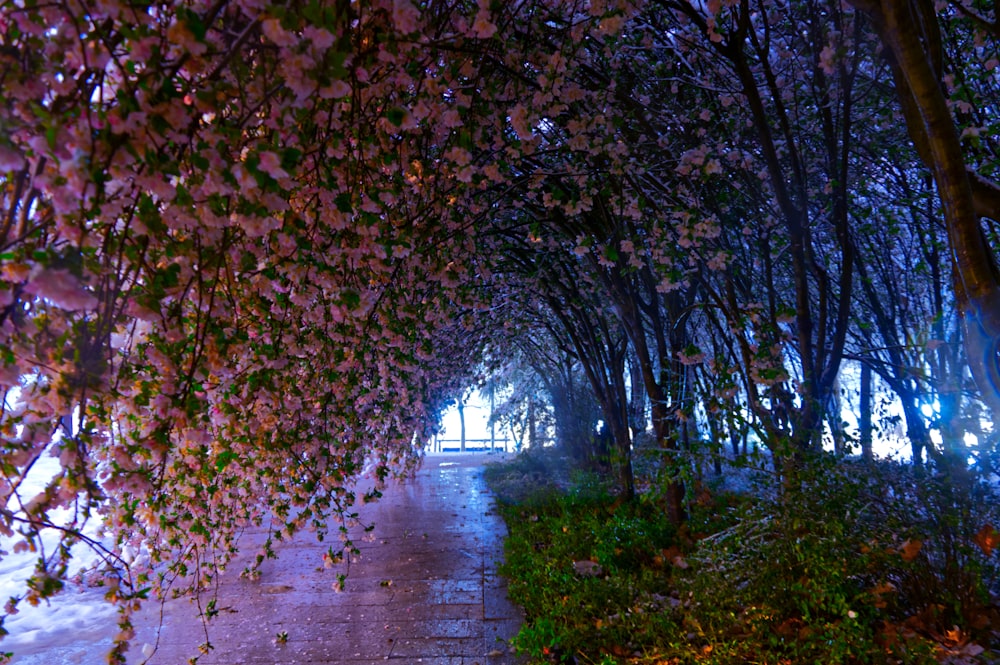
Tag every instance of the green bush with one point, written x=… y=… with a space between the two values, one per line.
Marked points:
x=569 y=611
x=851 y=564
x=847 y=562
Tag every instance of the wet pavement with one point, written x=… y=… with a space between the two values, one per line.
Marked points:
x=424 y=591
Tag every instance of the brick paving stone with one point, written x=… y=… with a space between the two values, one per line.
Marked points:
x=424 y=591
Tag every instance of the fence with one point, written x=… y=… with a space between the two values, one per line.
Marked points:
x=471 y=445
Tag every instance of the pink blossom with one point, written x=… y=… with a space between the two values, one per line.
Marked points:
x=10 y=159
x=256 y=227
x=276 y=34
x=611 y=25
x=335 y=90
x=451 y=119
x=180 y=34
x=518 y=116
x=405 y=16
x=826 y=59
x=270 y=164
x=61 y=288
x=320 y=38
x=15 y=272
x=246 y=181
x=458 y=155
x=482 y=26
x=667 y=285
x=10 y=375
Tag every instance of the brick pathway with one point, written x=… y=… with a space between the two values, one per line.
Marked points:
x=425 y=590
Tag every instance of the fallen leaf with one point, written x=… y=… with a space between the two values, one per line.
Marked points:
x=881 y=590
x=587 y=568
x=673 y=555
x=789 y=628
x=953 y=637
x=987 y=539
x=910 y=549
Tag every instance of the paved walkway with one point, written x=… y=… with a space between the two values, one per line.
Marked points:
x=425 y=591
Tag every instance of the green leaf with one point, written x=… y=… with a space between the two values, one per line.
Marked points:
x=343 y=202
x=183 y=196
x=396 y=116
x=248 y=262
x=290 y=158
x=351 y=299
x=193 y=22
x=224 y=458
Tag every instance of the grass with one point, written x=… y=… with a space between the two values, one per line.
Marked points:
x=859 y=564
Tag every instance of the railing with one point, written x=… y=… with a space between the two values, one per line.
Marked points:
x=471 y=445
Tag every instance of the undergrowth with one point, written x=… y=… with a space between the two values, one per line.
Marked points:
x=852 y=563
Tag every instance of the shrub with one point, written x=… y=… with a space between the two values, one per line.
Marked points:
x=573 y=609
x=851 y=563
x=854 y=564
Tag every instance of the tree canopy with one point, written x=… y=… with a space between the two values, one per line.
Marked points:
x=250 y=250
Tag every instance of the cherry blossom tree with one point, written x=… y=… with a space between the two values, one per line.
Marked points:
x=237 y=246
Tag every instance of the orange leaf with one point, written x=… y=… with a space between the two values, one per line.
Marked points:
x=671 y=552
x=878 y=591
x=910 y=549
x=953 y=637
x=987 y=539
x=789 y=628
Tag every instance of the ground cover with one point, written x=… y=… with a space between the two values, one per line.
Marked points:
x=852 y=563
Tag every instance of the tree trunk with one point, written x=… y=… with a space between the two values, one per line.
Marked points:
x=910 y=32
x=916 y=429
x=532 y=434
x=865 y=424
x=637 y=399
x=493 y=425
x=461 y=422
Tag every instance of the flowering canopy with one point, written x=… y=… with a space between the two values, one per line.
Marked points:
x=237 y=245
x=248 y=250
